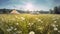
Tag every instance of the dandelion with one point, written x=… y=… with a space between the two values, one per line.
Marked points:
x=55 y=29
x=31 y=32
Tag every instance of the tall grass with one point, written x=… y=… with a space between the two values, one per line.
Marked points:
x=28 y=23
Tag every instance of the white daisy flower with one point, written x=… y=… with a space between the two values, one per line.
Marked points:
x=31 y=32
x=55 y=28
x=53 y=25
x=55 y=21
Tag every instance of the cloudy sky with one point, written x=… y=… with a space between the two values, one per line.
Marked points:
x=29 y=4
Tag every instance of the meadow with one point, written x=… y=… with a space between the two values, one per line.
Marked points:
x=29 y=24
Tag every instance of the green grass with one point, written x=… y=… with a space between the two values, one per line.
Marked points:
x=25 y=23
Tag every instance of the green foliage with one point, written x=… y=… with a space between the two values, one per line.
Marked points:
x=25 y=23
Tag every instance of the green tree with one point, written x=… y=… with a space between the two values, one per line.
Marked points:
x=57 y=10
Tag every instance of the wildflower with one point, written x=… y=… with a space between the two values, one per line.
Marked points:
x=15 y=29
x=55 y=28
x=36 y=18
x=39 y=20
x=57 y=25
x=32 y=32
x=19 y=31
x=59 y=31
x=9 y=30
x=55 y=21
x=17 y=23
x=22 y=18
x=39 y=28
x=53 y=25
x=11 y=27
x=30 y=24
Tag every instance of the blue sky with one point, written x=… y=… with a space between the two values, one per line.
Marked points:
x=29 y=4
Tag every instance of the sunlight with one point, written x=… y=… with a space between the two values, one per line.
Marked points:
x=29 y=6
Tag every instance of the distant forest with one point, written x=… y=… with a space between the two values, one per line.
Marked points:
x=56 y=10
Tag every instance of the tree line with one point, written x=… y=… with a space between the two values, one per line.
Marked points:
x=56 y=10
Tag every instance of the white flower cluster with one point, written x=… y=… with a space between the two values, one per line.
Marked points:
x=55 y=21
x=31 y=32
x=55 y=26
x=30 y=24
x=10 y=29
x=15 y=28
x=39 y=20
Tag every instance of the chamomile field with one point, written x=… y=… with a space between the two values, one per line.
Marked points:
x=29 y=24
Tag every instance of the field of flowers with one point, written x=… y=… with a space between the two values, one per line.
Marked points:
x=29 y=24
